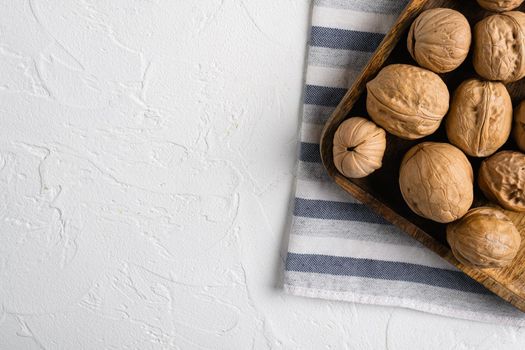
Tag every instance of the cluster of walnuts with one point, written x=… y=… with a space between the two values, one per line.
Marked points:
x=436 y=179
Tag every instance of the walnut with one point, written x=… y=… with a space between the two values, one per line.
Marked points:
x=499 y=45
x=499 y=5
x=480 y=117
x=436 y=181
x=484 y=237
x=502 y=179
x=440 y=50
x=359 y=146
x=407 y=101
x=519 y=126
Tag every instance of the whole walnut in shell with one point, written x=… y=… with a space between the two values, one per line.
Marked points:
x=484 y=237
x=502 y=179
x=519 y=126
x=499 y=45
x=440 y=50
x=480 y=117
x=359 y=146
x=407 y=101
x=499 y=5
x=436 y=181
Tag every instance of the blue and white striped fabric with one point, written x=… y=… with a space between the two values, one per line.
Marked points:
x=338 y=248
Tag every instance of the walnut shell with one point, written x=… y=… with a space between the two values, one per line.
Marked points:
x=436 y=181
x=480 y=117
x=407 y=101
x=499 y=45
x=499 y=5
x=502 y=179
x=519 y=126
x=440 y=50
x=484 y=237
x=359 y=146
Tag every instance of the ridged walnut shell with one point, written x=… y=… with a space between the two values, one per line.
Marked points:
x=440 y=50
x=499 y=47
x=436 y=181
x=519 y=126
x=480 y=117
x=499 y=5
x=484 y=237
x=502 y=179
x=407 y=101
x=359 y=146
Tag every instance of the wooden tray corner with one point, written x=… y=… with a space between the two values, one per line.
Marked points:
x=380 y=190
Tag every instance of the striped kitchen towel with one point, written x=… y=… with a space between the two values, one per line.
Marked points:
x=338 y=248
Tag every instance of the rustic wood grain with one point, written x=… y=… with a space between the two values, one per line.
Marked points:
x=380 y=190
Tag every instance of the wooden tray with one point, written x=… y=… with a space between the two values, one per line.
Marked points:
x=380 y=190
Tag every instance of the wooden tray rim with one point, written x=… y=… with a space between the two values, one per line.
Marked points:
x=376 y=62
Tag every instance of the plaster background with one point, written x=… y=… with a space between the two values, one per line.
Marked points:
x=147 y=152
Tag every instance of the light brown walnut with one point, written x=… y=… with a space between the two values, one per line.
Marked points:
x=484 y=237
x=440 y=50
x=519 y=126
x=407 y=101
x=436 y=181
x=500 y=5
x=499 y=47
x=480 y=117
x=359 y=146
x=502 y=179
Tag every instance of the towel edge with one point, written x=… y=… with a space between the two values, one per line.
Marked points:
x=403 y=303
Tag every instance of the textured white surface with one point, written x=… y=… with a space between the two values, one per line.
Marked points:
x=147 y=150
